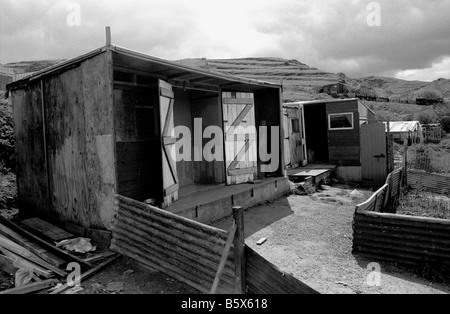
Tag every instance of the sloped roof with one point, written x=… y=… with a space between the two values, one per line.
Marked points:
x=403 y=126
x=165 y=69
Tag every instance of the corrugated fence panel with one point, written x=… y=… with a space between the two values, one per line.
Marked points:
x=429 y=182
x=181 y=248
x=416 y=241
x=265 y=278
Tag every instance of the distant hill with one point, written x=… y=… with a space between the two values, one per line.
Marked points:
x=30 y=66
x=299 y=79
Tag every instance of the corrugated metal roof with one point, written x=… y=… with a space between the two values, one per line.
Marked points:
x=403 y=126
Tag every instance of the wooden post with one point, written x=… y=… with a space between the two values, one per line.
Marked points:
x=108 y=36
x=405 y=163
x=239 y=250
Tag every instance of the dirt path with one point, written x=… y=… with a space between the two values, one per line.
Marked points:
x=311 y=237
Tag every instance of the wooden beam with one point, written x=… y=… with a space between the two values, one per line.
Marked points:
x=238 y=172
x=44 y=244
x=32 y=247
x=224 y=258
x=239 y=250
x=34 y=287
x=88 y=274
x=6 y=264
x=24 y=253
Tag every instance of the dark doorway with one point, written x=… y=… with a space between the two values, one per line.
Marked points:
x=316 y=130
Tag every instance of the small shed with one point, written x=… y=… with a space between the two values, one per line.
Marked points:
x=105 y=123
x=406 y=130
x=336 y=132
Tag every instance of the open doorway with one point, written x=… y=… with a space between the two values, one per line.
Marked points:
x=316 y=132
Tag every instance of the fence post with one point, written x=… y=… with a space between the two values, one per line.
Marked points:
x=239 y=250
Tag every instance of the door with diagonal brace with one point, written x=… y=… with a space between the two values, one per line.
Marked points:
x=240 y=137
x=169 y=165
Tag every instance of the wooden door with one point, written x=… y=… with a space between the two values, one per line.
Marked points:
x=373 y=155
x=295 y=132
x=287 y=133
x=169 y=165
x=240 y=137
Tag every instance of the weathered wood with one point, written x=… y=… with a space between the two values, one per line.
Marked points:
x=223 y=259
x=45 y=245
x=100 y=256
x=88 y=273
x=32 y=287
x=29 y=265
x=26 y=254
x=239 y=251
x=6 y=265
x=31 y=246
x=41 y=227
x=238 y=172
x=238 y=101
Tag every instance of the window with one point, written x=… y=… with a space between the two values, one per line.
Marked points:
x=295 y=126
x=340 y=121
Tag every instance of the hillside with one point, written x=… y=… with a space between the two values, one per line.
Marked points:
x=30 y=66
x=298 y=79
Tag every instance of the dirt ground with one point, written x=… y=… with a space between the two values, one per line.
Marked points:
x=311 y=237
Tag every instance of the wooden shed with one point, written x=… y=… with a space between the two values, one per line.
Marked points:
x=104 y=124
x=340 y=132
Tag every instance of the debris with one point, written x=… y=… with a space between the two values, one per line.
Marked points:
x=23 y=277
x=89 y=273
x=261 y=241
x=356 y=193
x=74 y=290
x=342 y=283
x=99 y=256
x=128 y=272
x=33 y=287
x=78 y=245
x=97 y=288
x=325 y=187
x=115 y=286
x=6 y=265
x=47 y=230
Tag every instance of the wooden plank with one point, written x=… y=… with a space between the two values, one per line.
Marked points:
x=223 y=259
x=32 y=247
x=238 y=172
x=26 y=254
x=6 y=265
x=100 y=256
x=45 y=245
x=33 y=287
x=171 y=189
x=239 y=251
x=29 y=265
x=240 y=118
x=88 y=274
x=41 y=227
x=167 y=93
x=238 y=101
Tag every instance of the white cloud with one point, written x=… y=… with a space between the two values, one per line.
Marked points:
x=438 y=70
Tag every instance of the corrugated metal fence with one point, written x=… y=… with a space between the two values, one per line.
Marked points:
x=191 y=251
x=417 y=241
x=429 y=182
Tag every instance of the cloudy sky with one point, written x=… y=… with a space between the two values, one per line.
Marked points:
x=412 y=41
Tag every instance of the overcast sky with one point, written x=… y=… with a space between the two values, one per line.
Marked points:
x=412 y=42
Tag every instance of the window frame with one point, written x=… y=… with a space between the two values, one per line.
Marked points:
x=340 y=114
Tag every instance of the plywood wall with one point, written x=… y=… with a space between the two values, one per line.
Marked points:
x=68 y=175
x=32 y=184
x=343 y=145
